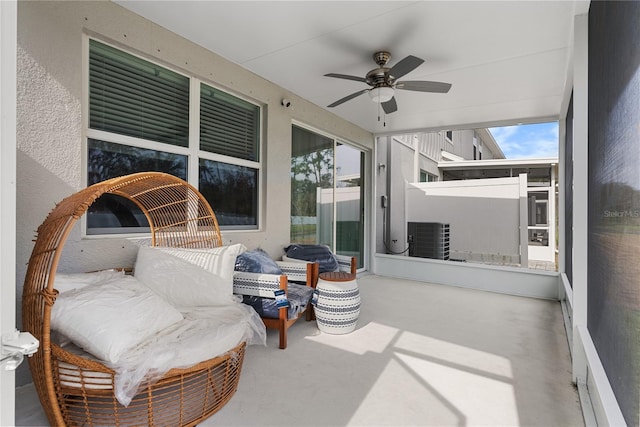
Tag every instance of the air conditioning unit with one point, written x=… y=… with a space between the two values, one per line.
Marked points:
x=428 y=240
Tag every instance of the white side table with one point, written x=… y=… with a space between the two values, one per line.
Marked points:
x=338 y=302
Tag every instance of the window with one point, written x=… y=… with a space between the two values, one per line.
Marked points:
x=133 y=97
x=228 y=125
x=111 y=213
x=475 y=148
x=327 y=193
x=427 y=177
x=449 y=135
x=538 y=213
x=139 y=120
x=538 y=207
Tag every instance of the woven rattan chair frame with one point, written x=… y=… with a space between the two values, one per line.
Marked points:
x=77 y=391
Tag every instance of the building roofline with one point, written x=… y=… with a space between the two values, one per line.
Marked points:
x=488 y=139
x=484 y=164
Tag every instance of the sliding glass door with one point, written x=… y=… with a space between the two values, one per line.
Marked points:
x=327 y=193
x=348 y=201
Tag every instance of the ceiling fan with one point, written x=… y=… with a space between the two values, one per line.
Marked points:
x=384 y=81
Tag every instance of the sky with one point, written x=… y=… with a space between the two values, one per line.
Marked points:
x=538 y=140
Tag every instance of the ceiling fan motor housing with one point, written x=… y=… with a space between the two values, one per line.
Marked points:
x=378 y=77
x=381 y=58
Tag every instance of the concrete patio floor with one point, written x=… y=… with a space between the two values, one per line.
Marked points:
x=422 y=355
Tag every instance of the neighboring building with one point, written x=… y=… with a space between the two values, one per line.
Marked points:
x=430 y=148
x=463 y=155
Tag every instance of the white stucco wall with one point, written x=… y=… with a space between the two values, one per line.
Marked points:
x=400 y=169
x=50 y=86
x=483 y=214
x=381 y=180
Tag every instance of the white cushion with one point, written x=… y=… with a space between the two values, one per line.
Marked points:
x=111 y=317
x=65 y=282
x=189 y=277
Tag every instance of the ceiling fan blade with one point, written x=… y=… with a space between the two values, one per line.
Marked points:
x=424 y=86
x=390 y=106
x=347 y=98
x=405 y=66
x=347 y=77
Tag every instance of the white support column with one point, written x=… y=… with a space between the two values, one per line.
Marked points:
x=416 y=159
x=562 y=218
x=580 y=191
x=524 y=222
x=8 y=48
x=551 y=214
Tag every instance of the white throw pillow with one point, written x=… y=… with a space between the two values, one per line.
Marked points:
x=65 y=282
x=109 y=318
x=189 y=277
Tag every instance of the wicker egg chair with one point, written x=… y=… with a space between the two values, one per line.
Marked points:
x=178 y=216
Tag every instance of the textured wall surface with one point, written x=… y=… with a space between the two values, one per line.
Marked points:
x=51 y=144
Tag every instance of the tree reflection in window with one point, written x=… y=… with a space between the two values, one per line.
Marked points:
x=312 y=166
x=108 y=160
x=232 y=192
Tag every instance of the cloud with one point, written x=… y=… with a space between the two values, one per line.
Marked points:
x=527 y=141
x=504 y=132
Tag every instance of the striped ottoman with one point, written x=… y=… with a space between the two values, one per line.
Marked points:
x=337 y=302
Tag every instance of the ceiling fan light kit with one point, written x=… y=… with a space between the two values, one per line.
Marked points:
x=381 y=94
x=384 y=81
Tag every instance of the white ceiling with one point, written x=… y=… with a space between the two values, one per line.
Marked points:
x=507 y=60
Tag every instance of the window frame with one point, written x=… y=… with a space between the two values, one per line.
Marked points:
x=429 y=177
x=366 y=177
x=448 y=134
x=192 y=152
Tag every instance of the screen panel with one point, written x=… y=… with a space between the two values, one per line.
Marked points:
x=568 y=192
x=614 y=197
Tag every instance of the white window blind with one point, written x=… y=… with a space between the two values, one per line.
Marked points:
x=134 y=97
x=228 y=125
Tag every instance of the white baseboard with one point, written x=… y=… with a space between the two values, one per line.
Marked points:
x=603 y=402
x=506 y=280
